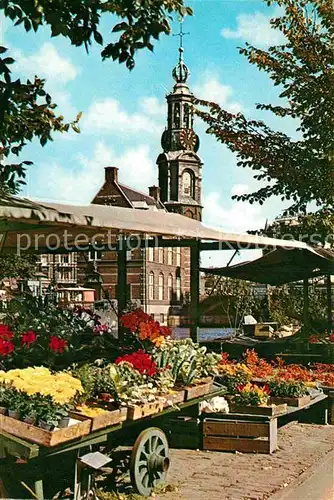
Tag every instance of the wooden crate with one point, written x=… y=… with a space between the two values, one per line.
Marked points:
x=196 y=391
x=106 y=419
x=145 y=410
x=297 y=402
x=80 y=426
x=176 y=397
x=184 y=432
x=238 y=435
x=269 y=411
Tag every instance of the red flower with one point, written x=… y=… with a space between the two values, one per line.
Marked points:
x=265 y=388
x=331 y=337
x=28 y=337
x=240 y=388
x=5 y=332
x=6 y=347
x=57 y=344
x=141 y=361
x=313 y=339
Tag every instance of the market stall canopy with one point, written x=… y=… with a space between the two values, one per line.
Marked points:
x=281 y=266
x=24 y=218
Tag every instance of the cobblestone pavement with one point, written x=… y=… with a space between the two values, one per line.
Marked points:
x=230 y=476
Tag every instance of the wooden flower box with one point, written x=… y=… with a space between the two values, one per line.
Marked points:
x=245 y=436
x=196 y=391
x=297 y=402
x=79 y=426
x=106 y=419
x=145 y=410
x=175 y=397
x=270 y=411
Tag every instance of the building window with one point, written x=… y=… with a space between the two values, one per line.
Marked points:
x=178 y=256
x=94 y=255
x=170 y=287
x=161 y=255
x=151 y=286
x=162 y=318
x=161 y=286
x=188 y=183
x=178 y=288
x=170 y=256
x=150 y=253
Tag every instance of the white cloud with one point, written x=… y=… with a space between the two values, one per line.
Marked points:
x=47 y=63
x=211 y=89
x=239 y=189
x=238 y=218
x=153 y=106
x=255 y=29
x=108 y=116
x=80 y=184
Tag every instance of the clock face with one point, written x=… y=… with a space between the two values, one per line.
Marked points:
x=188 y=139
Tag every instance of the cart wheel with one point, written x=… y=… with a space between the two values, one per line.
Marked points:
x=149 y=460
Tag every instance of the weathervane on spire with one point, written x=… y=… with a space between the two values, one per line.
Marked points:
x=181 y=71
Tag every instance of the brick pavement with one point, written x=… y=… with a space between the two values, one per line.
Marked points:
x=229 y=476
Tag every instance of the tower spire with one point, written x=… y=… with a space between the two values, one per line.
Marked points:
x=181 y=71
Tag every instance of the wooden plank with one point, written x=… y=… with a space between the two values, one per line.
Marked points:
x=270 y=411
x=14 y=446
x=105 y=419
x=230 y=428
x=298 y=402
x=273 y=435
x=243 y=445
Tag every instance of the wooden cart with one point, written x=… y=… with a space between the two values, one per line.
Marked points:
x=31 y=468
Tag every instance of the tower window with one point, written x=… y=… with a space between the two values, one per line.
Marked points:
x=188 y=183
x=178 y=256
x=150 y=252
x=177 y=115
x=187 y=117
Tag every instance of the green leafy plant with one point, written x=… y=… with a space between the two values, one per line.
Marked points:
x=188 y=362
x=287 y=388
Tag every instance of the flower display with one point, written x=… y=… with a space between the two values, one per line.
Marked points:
x=141 y=361
x=57 y=344
x=28 y=338
x=258 y=366
x=252 y=395
x=144 y=326
x=234 y=375
x=62 y=387
x=313 y=339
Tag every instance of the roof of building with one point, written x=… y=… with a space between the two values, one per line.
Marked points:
x=281 y=266
x=134 y=195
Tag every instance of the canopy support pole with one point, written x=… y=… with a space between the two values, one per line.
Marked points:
x=122 y=281
x=305 y=302
x=329 y=303
x=194 y=290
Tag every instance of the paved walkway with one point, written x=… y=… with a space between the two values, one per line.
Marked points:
x=201 y=475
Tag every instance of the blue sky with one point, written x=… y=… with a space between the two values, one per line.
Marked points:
x=124 y=113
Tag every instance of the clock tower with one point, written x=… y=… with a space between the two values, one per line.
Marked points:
x=179 y=164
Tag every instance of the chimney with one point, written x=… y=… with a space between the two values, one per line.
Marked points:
x=111 y=174
x=154 y=191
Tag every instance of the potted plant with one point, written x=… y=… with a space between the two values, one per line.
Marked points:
x=17 y=401
x=292 y=392
x=62 y=415
x=46 y=412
